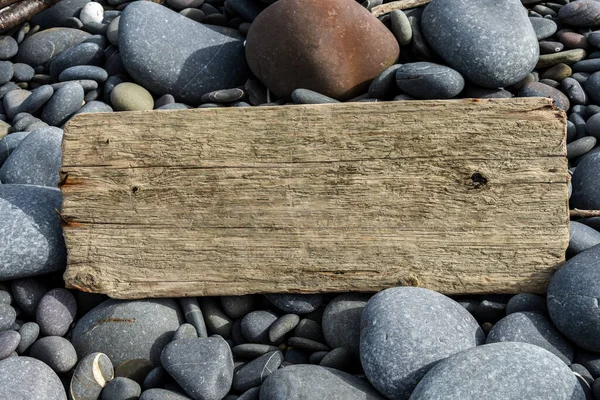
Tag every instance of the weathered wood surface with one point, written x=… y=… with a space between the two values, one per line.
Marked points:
x=397 y=5
x=462 y=196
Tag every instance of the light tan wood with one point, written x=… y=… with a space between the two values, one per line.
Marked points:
x=465 y=196
x=397 y=5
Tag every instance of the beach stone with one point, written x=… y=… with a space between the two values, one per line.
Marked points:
x=211 y=379
x=580 y=147
x=586 y=188
x=166 y=60
x=338 y=358
x=129 y=96
x=283 y=325
x=527 y=302
x=491 y=44
x=8 y=47
x=557 y=72
x=27 y=293
x=6 y=71
x=58 y=15
x=486 y=93
x=162 y=394
x=592 y=126
x=581 y=13
x=425 y=80
x=311 y=53
x=549 y=47
x=28 y=378
x=121 y=388
x=127 y=330
x=255 y=326
x=193 y=315
x=305 y=96
x=90 y=376
x=400 y=27
x=37 y=159
x=216 y=320
x=566 y=57
x=91 y=12
x=57 y=352
x=31 y=241
x=9 y=143
x=422 y=326
x=39 y=48
x=13 y=100
x=575 y=93
x=185 y=331
x=35 y=100
x=65 y=102
x=251 y=350
x=543 y=27
x=582 y=237
x=9 y=341
x=55 y=312
x=29 y=332
x=248 y=10
x=573 y=40
x=256 y=371
x=83 y=72
x=8 y=316
x=592 y=86
x=238 y=306
x=521 y=370
x=156 y=378
x=82 y=54
x=306 y=344
x=182 y=4
x=295 y=303
x=112 y=32
x=22 y=72
x=591 y=65
x=95 y=107
x=341 y=321
x=298 y=382
x=309 y=329
x=537 y=89
x=384 y=84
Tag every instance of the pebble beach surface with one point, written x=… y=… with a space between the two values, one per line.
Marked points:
x=83 y=56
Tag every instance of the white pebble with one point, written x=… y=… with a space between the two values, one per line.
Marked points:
x=92 y=12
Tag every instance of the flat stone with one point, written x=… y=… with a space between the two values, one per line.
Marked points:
x=341 y=321
x=27 y=293
x=182 y=62
x=39 y=48
x=592 y=126
x=298 y=382
x=256 y=371
x=129 y=96
x=58 y=15
x=283 y=325
x=422 y=326
x=307 y=344
x=7 y=317
x=592 y=86
x=580 y=147
x=566 y=57
x=543 y=27
x=82 y=72
x=574 y=91
x=311 y=53
x=305 y=96
x=22 y=72
x=591 y=65
x=57 y=352
x=210 y=379
x=185 y=331
x=425 y=80
x=216 y=320
x=29 y=332
x=338 y=358
x=82 y=54
x=162 y=394
x=127 y=330
x=86 y=84
x=28 y=378
x=36 y=161
x=95 y=107
x=55 y=312
x=537 y=89
x=252 y=350
x=295 y=303
x=549 y=47
x=8 y=47
x=238 y=306
x=193 y=314
x=255 y=326
x=586 y=188
x=9 y=341
x=582 y=13
x=527 y=302
x=9 y=143
x=121 y=389
x=521 y=371
x=182 y=4
x=31 y=241
x=90 y=377
x=65 y=102
x=36 y=100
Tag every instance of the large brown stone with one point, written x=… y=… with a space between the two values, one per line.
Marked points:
x=334 y=47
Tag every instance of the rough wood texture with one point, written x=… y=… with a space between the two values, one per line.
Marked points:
x=22 y=11
x=462 y=196
x=397 y=5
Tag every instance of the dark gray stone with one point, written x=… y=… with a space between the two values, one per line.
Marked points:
x=338 y=358
x=210 y=379
x=580 y=147
x=90 y=376
x=573 y=299
x=549 y=47
x=167 y=60
x=162 y=394
x=65 y=102
x=385 y=83
x=8 y=47
x=155 y=378
x=582 y=237
x=523 y=302
x=13 y=100
x=83 y=72
x=590 y=65
x=583 y=373
x=82 y=54
x=29 y=332
x=40 y=47
x=223 y=96
x=295 y=303
x=31 y=241
x=95 y=107
x=283 y=325
x=28 y=378
x=574 y=91
x=295 y=356
x=248 y=10
x=586 y=187
x=128 y=330
x=425 y=80
x=37 y=159
x=163 y=101
x=255 y=326
x=306 y=96
x=250 y=394
x=238 y=306
x=57 y=352
x=9 y=341
x=185 y=331
x=193 y=315
x=521 y=371
x=489 y=311
x=537 y=89
x=306 y=344
x=592 y=126
x=256 y=371
x=57 y=15
x=9 y=143
x=252 y=350
x=174 y=106
x=6 y=71
x=27 y=124
x=424 y=327
x=22 y=72
x=593 y=222
x=36 y=100
x=582 y=13
x=298 y=382
x=121 y=388
x=532 y=328
x=592 y=87
x=56 y=312
x=341 y=321
x=309 y=329
x=216 y=320
x=591 y=361
x=8 y=315
x=543 y=27
x=492 y=44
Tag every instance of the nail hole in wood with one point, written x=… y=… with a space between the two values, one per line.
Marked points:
x=135 y=189
x=478 y=181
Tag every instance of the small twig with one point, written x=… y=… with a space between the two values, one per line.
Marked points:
x=397 y=5
x=584 y=213
x=17 y=13
x=5 y=3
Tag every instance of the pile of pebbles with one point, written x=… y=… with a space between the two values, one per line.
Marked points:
x=401 y=343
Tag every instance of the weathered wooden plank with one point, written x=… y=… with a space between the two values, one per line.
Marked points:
x=462 y=196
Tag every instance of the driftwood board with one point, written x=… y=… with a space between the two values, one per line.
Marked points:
x=465 y=196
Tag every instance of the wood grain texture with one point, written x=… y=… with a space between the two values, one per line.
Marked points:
x=397 y=5
x=464 y=196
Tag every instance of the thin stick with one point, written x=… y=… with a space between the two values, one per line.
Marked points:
x=4 y=3
x=584 y=213
x=397 y=5
x=16 y=14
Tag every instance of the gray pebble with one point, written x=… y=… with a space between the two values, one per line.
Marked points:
x=36 y=100
x=57 y=352
x=6 y=71
x=582 y=237
x=252 y=350
x=85 y=53
x=592 y=86
x=400 y=27
x=341 y=321
x=339 y=358
x=306 y=96
x=580 y=146
x=549 y=47
x=185 y=331
x=121 y=388
x=9 y=341
x=296 y=303
x=295 y=356
x=255 y=326
x=12 y=100
x=216 y=320
x=83 y=72
x=592 y=126
x=90 y=376
x=29 y=332
x=489 y=311
x=162 y=394
x=238 y=306
x=256 y=371
x=536 y=89
x=384 y=83
x=155 y=378
x=544 y=28
x=193 y=315
x=27 y=378
x=580 y=14
x=425 y=80
x=317 y=357
x=9 y=143
x=64 y=103
x=8 y=47
x=95 y=107
x=283 y=325
x=309 y=329
x=22 y=72
x=5 y=297
x=55 y=312
x=527 y=302
x=223 y=96
x=574 y=91
x=306 y=344
x=589 y=65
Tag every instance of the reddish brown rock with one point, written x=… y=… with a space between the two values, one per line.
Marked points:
x=334 y=47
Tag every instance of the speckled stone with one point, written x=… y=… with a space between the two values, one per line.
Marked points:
x=185 y=331
x=94 y=107
x=216 y=320
x=384 y=84
x=580 y=147
x=592 y=86
x=295 y=303
x=255 y=326
x=193 y=315
x=9 y=143
x=36 y=100
x=90 y=376
x=57 y=352
x=341 y=321
x=309 y=329
x=422 y=326
x=57 y=15
x=238 y=306
x=31 y=241
x=29 y=332
x=55 y=312
x=9 y=341
x=284 y=324
x=566 y=57
x=210 y=379
x=129 y=96
x=65 y=102
x=82 y=54
x=7 y=316
x=162 y=394
x=121 y=389
x=592 y=126
x=575 y=93
x=22 y=72
x=527 y=302
x=425 y=80
x=520 y=370
x=491 y=44
x=543 y=27
x=8 y=47
x=400 y=27
x=305 y=96
x=586 y=187
x=40 y=47
x=252 y=350
x=256 y=371
x=581 y=13
x=91 y=12
x=537 y=89
x=28 y=378
x=82 y=72
x=298 y=382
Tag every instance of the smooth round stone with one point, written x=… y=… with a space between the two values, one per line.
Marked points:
x=298 y=382
x=255 y=326
x=28 y=124
x=573 y=40
x=193 y=14
x=73 y=22
x=95 y=107
x=305 y=96
x=9 y=341
x=593 y=39
x=566 y=57
x=82 y=54
x=592 y=87
x=575 y=93
x=527 y=302
x=22 y=72
x=536 y=89
x=57 y=15
x=592 y=126
x=400 y=27
x=238 y=306
x=581 y=13
x=7 y=316
x=90 y=377
x=283 y=325
x=6 y=71
x=209 y=379
x=223 y=96
x=532 y=328
x=5 y=297
x=82 y=72
x=489 y=311
x=580 y=124
x=129 y=96
x=27 y=293
x=521 y=371
x=31 y=240
x=92 y=12
x=65 y=102
x=307 y=344
x=57 y=352
x=121 y=389
x=216 y=320
x=185 y=331
x=309 y=329
x=543 y=27
x=41 y=47
x=591 y=65
x=549 y=47
x=29 y=332
x=193 y=315
x=423 y=326
x=28 y=378
x=338 y=358
x=295 y=303
x=311 y=53
x=252 y=350
x=425 y=80
x=86 y=84
x=341 y=321
x=55 y=312
x=13 y=100
x=586 y=188
x=580 y=147
x=557 y=72
x=164 y=100
x=384 y=83
x=162 y=394
x=182 y=4
x=256 y=371
x=156 y=378
x=8 y=47
x=112 y=32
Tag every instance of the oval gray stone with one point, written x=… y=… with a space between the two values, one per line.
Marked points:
x=55 y=312
x=586 y=187
x=65 y=102
x=28 y=378
x=582 y=237
x=121 y=389
x=82 y=54
x=341 y=321
x=256 y=371
x=29 y=332
x=162 y=394
x=295 y=303
x=9 y=341
x=40 y=47
x=90 y=376
x=425 y=80
x=255 y=326
x=57 y=352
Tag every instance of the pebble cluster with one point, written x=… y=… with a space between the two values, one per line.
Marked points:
x=83 y=56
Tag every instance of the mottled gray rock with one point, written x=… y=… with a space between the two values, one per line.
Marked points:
x=22 y=72
x=7 y=316
x=128 y=330
x=255 y=326
x=209 y=379
x=121 y=389
x=95 y=107
x=251 y=350
x=83 y=72
x=295 y=303
x=298 y=382
x=40 y=47
x=216 y=320
x=28 y=378
x=306 y=96
x=543 y=27
x=58 y=15
x=592 y=86
x=91 y=12
x=425 y=80
x=9 y=143
x=90 y=376
x=8 y=47
x=582 y=237
x=538 y=89
x=582 y=13
x=82 y=54
x=491 y=44
x=65 y=102
x=185 y=331
x=256 y=371
x=341 y=321
x=12 y=100
x=57 y=352
x=35 y=100
x=523 y=302
x=31 y=241
x=520 y=370
x=586 y=187
x=166 y=60
x=580 y=147
x=422 y=326
x=6 y=71
x=338 y=358
x=238 y=306
x=385 y=82
x=9 y=341
x=29 y=332
x=162 y=394
x=55 y=312
x=284 y=324
x=193 y=315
